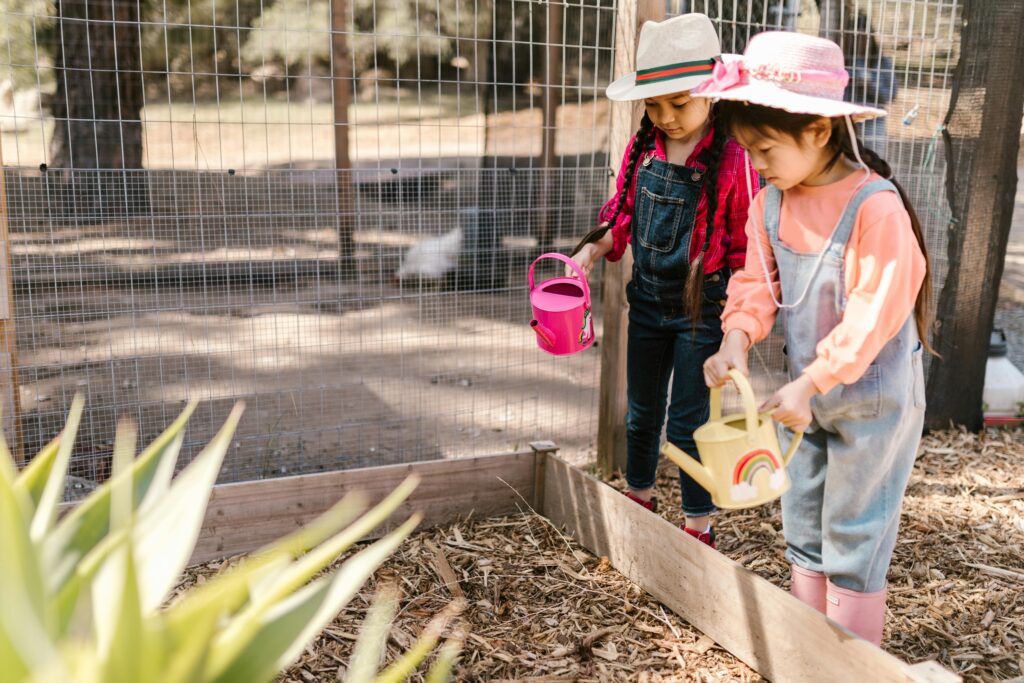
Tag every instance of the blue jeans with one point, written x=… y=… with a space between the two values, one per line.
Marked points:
x=664 y=343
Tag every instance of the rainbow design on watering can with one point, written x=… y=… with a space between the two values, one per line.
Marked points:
x=749 y=466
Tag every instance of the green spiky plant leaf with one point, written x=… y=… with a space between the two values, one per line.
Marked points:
x=85 y=596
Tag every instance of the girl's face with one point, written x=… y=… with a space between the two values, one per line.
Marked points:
x=785 y=161
x=678 y=115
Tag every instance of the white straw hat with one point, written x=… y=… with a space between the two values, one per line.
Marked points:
x=671 y=56
x=798 y=73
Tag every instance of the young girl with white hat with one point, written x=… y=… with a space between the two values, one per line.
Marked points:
x=681 y=201
x=834 y=244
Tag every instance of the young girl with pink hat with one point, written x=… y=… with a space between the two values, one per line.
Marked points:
x=682 y=204
x=835 y=246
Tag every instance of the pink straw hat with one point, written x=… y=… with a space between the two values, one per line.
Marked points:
x=798 y=73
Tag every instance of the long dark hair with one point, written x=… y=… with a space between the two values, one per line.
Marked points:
x=767 y=120
x=693 y=292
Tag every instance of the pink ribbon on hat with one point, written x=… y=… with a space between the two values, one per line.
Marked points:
x=724 y=76
x=736 y=72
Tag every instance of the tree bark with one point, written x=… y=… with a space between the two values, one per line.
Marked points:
x=98 y=104
x=982 y=129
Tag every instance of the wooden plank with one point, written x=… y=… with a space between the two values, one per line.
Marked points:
x=761 y=624
x=611 y=423
x=10 y=398
x=245 y=516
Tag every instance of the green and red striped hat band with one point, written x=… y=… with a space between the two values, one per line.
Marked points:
x=701 y=67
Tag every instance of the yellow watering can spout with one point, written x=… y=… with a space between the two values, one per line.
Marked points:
x=689 y=465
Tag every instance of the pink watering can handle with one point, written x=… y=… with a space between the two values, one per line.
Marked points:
x=569 y=262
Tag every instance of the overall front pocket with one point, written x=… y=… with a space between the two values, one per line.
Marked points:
x=863 y=398
x=660 y=220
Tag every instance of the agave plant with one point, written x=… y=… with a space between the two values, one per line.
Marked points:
x=85 y=597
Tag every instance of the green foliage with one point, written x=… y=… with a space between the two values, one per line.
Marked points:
x=297 y=32
x=85 y=596
x=22 y=60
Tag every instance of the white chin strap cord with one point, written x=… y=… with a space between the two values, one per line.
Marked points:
x=828 y=244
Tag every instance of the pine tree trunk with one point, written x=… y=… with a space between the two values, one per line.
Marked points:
x=97 y=137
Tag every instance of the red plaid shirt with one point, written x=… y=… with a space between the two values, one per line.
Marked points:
x=728 y=244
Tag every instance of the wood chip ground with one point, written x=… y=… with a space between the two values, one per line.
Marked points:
x=539 y=608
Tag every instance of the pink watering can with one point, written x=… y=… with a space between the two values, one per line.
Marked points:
x=561 y=310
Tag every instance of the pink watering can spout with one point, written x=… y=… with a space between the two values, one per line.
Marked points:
x=544 y=336
x=561 y=310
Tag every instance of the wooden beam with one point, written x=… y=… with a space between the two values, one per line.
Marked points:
x=611 y=429
x=10 y=398
x=982 y=128
x=248 y=515
x=341 y=82
x=759 y=623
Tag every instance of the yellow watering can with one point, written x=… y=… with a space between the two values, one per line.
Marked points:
x=742 y=464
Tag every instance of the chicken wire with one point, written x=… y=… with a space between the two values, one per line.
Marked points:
x=194 y=234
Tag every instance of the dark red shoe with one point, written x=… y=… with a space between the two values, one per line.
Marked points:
x=651 y=504
x=705 y=537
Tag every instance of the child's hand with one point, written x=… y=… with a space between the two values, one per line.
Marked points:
x=588 y=254
x=791 y=405
x=585 y=259
x=732 y=355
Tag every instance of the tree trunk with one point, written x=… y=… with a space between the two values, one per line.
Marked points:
x=97 y=106
x=981 y=129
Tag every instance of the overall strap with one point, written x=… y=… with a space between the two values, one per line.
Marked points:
x=849 y=217
x=772 y=211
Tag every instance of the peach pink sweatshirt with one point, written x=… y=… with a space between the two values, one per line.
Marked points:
x=884 y=270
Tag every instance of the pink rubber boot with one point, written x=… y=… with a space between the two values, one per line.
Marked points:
x=808 y=587
x=862 y=613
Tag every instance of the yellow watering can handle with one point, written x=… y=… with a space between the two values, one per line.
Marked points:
x=793 y=445
x=749 y=403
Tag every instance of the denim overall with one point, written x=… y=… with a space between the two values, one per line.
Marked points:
x=663 y=341
x=849 y=474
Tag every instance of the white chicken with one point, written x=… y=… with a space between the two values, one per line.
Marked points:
x=433 y=258
x=19 y=110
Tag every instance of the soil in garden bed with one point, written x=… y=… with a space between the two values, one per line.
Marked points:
x=538 y=608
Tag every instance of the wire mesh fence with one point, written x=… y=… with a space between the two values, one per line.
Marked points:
x=327 y=207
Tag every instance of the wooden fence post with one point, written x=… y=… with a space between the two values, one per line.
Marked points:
x=341 y=83
x=611 y=431
x=553 y=81
x=10 y=398
x=983 y=131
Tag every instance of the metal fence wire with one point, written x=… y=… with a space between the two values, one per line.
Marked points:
x=326 y=208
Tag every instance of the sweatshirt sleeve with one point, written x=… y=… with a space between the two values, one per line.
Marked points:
x=749 y=306
x=890 y=271
x=623 y=224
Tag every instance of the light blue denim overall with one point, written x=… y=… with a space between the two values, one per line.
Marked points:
x=849 y=474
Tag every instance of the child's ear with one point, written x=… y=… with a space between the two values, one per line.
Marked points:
x=819 y=132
